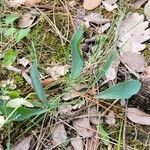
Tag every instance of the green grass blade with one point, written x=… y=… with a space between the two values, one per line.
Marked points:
x=122 y=90
x=37 y=84
x=20 y=34
x=77 y=60
x=103 y=134
x=105 y=67
x=20 y=113
x=119 y=138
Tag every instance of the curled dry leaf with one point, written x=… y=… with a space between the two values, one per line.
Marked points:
x=59 y=134
x=91 y=4
x=133 y=31
x=96 y=18
x=17 y=3
x=104 y=28
x=14 y=3
x=137 y=3
x=147 y=10
x=66 y=109
x=26 y=20
x=94 y=115
x=110 y=118
x=24 y=144
x=110 y=5
x=57 y=71
x=77 y=143
x=138 y=116
x=135 y=61
x=83 y=127
x=70 y=95
x=23 y=61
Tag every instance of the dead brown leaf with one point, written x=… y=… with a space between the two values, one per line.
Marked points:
x=17 y=3
x=147 y=10
x=83 y=127
x=57 y=71
x=26 y=20
x=133 y=31
x=138 y=116
x=23 y=61
x=14 y=3
x=91 y=4
x=91 y=112
x=135 y=61
x=24 y=144
x=92 y=143
x=137 y=3
x=96 y=18
x=110 y=5
x=110 y=118
x=70 y=95
x=77 y=143
x=59 y=134
x=32 y=2
x=1 y=147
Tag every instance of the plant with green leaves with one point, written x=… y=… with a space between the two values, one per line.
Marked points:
x=11 y=31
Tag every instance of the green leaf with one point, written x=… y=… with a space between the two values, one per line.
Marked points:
x=13 y=94
x=21 y=113
x=77 y=60
x=21 y=34
x=18 y=102
x=105 y=67
x=122 y=90
x=9 y=57
x=10 y=31
x=103 y=134
x=37 y=84
x=10 y=19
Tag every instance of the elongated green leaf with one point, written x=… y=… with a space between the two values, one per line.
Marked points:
x=105 y=67
x=103 y=134
x=10 y=31
x=37 y=84
x=77 y=60
x=21 y=113
x=21 y=34
x=18 y=102
x=122 y=90
x=11 y=18
x=9 y=57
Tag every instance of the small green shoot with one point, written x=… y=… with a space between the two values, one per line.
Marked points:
x=11 y=18
x=20 y=34
x=102 y=71
x=9 y=57
x=10 y=31
x=103 y=134
x=119 y=138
